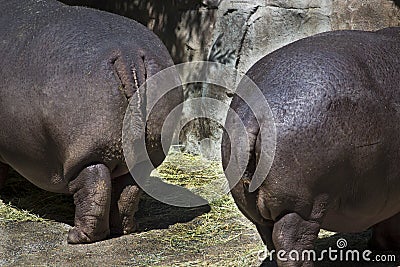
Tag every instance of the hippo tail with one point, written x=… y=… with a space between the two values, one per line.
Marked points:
x=238 y=143
x=264 y=147
x=131 y=75
x=249 y=139
x=163 y=97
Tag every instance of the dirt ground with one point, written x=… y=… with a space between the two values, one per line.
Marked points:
x=34 y=226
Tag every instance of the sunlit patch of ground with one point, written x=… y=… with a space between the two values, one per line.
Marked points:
x=8 y=213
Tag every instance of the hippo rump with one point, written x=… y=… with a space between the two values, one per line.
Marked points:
x=67 y=75
x=335 y=102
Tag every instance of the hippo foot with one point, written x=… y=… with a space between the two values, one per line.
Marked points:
x=130 y=227
x=293 y=233
x=79 y=236
x=126 y=229
x=92 y=198
x=124 y=204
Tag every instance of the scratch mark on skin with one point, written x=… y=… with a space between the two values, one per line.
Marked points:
x=135 y=79
x=371 y=144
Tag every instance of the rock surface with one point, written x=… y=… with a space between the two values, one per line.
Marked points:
x=255 y=28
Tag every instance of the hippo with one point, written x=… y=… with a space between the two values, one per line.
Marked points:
x=335 y=102
x=67 y=77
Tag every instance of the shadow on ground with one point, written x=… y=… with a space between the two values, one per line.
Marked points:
x=152 y=213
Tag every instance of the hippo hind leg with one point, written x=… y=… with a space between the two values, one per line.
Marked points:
x=92 y=197
x=386 y=234
x=3 y=174
x=293 y=234
x=124 y=204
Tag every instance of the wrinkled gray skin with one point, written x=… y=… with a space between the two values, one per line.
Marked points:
x=335 y=98
x=67 y=74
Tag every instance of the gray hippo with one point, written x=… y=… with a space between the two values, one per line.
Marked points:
x=335 y=102
x=67 y=75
